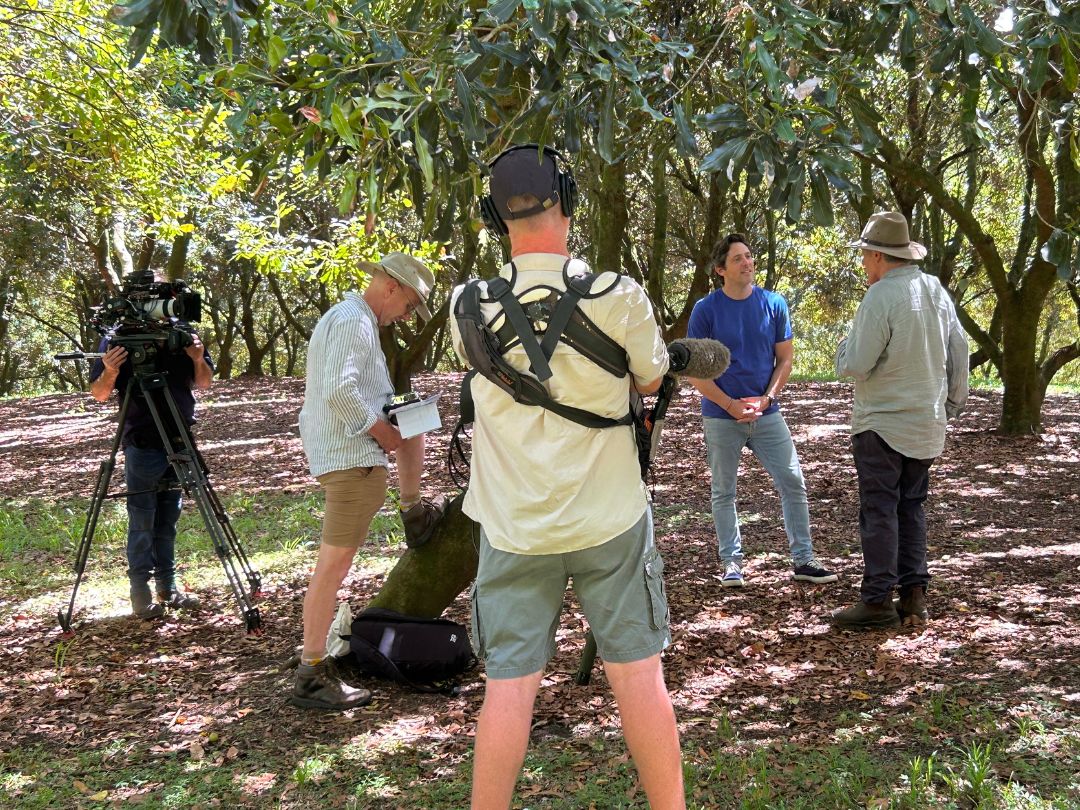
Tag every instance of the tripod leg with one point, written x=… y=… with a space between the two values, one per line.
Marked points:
x=191 y=474
x=101 y=489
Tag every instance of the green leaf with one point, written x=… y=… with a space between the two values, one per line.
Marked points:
x=1068 y=63
x=340 y=123
x=685 y=142
x=768 y=64
x=725 y=158
x=784 y=130
x=571 y=129
x=423 y=156
x=605 y=140
x=275 y=51
x=820 y=199
x=348 y=192
x=470 y=120
x=1036 y=71
x=372 y=190
x=795 y=192
x=502 y=10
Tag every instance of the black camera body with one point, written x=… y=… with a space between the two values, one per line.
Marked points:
x=148 y=317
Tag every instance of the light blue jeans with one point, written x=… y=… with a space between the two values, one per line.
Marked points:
x=770 y=440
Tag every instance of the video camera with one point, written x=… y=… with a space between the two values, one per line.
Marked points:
x=144 y=317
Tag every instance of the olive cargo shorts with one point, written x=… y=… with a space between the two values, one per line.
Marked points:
x=517 y=600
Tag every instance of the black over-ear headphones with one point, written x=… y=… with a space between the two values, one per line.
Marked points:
x=563 y=184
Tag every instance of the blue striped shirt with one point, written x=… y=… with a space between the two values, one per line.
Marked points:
x=347 y=385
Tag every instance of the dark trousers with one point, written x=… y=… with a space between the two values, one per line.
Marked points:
x=152 y=516
x=892 y=523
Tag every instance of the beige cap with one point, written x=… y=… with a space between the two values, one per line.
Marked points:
x=412 y=273
x=887 y=232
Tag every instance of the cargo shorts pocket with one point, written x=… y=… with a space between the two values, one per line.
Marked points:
x=476 y=634
x=654 y=584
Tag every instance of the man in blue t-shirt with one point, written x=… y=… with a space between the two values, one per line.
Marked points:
x=740 y=409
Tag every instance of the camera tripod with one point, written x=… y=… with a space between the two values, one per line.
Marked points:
x=192 y=475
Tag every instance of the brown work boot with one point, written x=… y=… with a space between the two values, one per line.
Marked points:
x=317 y=686
x=912 y=606
x=421 y=518
x=866 y=615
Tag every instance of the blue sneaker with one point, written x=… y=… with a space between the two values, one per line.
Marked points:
x=732 y=575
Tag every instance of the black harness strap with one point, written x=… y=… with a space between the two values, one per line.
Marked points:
x=501 y=291
x=575 y=289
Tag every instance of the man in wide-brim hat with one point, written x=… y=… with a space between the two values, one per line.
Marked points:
x=909 y=358
x=347 y=439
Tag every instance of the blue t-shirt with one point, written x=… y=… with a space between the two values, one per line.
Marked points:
x=750 y=328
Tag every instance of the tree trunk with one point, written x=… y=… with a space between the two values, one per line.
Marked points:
x=426 y=580
x=611 y=218
x=1024 y=388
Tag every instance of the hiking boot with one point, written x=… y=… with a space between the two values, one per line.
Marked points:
x=178 y=601
x=733 y=577
x=811 y=571
x=420 y=520
x=143 y=606
x=911 y=606
x=865 y=615
x=317 y=686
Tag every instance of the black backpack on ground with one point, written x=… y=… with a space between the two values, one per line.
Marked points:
x=420 y=653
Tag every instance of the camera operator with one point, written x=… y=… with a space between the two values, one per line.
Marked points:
x=557 y=500
x=347 y=437
x=154 y=505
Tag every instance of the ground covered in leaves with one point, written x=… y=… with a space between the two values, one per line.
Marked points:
x=763 y=688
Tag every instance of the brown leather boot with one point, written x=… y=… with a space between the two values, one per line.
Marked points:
x=317 y=686
x=420 y=520
x=912 y=606
x=866 y=615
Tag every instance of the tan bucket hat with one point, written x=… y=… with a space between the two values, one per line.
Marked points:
x=412 y=273
x=887 y=232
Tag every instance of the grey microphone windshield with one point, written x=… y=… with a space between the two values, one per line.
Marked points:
x=700 y=358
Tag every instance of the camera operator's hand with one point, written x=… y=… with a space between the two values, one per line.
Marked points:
x=195 y=350
x=388 y=436
x=113 y=359
x=203 y=373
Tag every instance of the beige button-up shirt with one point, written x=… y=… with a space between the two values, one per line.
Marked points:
x=540 y=483
x=909 y=357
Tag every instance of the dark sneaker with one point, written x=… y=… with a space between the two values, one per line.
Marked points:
x=421 y=519
x=733 y=577
x=179 y=601
x=865 y=615
x=811 y=571
x=317 y=686
x=911 y=606
x=143 y=606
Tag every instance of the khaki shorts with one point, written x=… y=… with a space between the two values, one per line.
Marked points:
x=353 y=497
x=517 y=599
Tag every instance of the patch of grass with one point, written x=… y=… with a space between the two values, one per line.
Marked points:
x=39 y=540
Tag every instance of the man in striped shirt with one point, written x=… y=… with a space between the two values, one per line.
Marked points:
x=347 y=438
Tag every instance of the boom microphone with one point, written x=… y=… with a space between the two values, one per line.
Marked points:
x=700 y=358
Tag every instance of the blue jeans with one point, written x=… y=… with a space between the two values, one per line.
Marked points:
x=770 y=440
x=152 y=516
